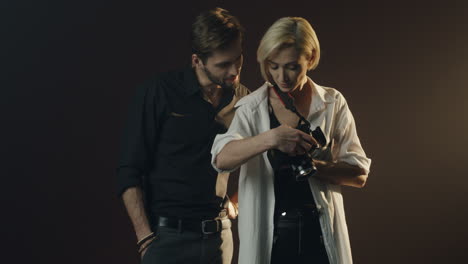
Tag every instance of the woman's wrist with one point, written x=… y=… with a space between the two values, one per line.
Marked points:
x=268 y=140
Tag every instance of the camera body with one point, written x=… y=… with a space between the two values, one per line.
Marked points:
x=302 y=165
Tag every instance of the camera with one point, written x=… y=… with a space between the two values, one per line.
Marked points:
x=302 y=165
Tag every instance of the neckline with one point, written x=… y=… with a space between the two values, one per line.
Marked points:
x=273 y=116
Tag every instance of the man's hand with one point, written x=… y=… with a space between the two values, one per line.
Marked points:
x=291 y=141
x=142 y=253
x=133 y=200
x=232 y=210
x=145 y=247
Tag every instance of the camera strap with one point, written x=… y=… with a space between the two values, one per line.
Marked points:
x=288 y=101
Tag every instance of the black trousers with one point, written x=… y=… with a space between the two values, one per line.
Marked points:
x=172 y=246
x=298 y=239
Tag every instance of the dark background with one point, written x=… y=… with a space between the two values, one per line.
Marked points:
x=69 y=69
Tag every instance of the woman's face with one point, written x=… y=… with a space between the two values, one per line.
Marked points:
x=288 y=68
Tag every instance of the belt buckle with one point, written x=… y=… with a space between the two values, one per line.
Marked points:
x=204 y=224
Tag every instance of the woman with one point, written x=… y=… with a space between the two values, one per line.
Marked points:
x=281 y=218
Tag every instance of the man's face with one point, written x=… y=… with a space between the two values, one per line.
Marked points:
x=223 y=66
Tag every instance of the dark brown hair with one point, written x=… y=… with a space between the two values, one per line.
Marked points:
x=214 y=29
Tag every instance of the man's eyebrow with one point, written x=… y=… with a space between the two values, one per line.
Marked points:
x=222 y=63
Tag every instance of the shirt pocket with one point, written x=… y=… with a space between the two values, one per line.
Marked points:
x=181 y=128
x=190 y=129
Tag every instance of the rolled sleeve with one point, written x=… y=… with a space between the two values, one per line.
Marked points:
x=348 y=148
x=127 y=177
x=239 y=129
x=138 y=139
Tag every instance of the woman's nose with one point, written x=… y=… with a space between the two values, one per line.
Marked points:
x=283 y=77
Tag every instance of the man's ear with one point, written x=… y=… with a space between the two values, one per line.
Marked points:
x=196 y=61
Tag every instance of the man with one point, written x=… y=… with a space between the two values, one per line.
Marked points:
x=175 y=199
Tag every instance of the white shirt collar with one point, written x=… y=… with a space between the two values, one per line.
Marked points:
x=319 y=97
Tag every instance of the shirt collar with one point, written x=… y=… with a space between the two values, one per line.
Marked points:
x=319 y=97
x=191 y=84
x=192 y=87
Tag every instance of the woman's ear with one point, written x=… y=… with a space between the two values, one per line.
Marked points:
x=311 y=60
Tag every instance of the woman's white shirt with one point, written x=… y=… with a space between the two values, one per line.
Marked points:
x=328 y=110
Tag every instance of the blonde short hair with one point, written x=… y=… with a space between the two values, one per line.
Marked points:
x=286 y=32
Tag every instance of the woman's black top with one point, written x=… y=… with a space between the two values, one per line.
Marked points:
x=289 y=193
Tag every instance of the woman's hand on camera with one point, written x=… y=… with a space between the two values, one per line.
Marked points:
x=291 y=141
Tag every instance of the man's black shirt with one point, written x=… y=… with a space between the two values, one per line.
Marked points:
x=166 y=146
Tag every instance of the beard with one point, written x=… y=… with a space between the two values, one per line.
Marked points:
x=220 y=80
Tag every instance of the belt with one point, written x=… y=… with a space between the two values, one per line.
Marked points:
x=206 y=227
x=305 y=210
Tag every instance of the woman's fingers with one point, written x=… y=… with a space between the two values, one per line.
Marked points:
x=293 y=141
x=305 y=146
x=308 y=138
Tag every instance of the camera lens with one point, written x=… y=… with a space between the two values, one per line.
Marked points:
x=303 y=168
